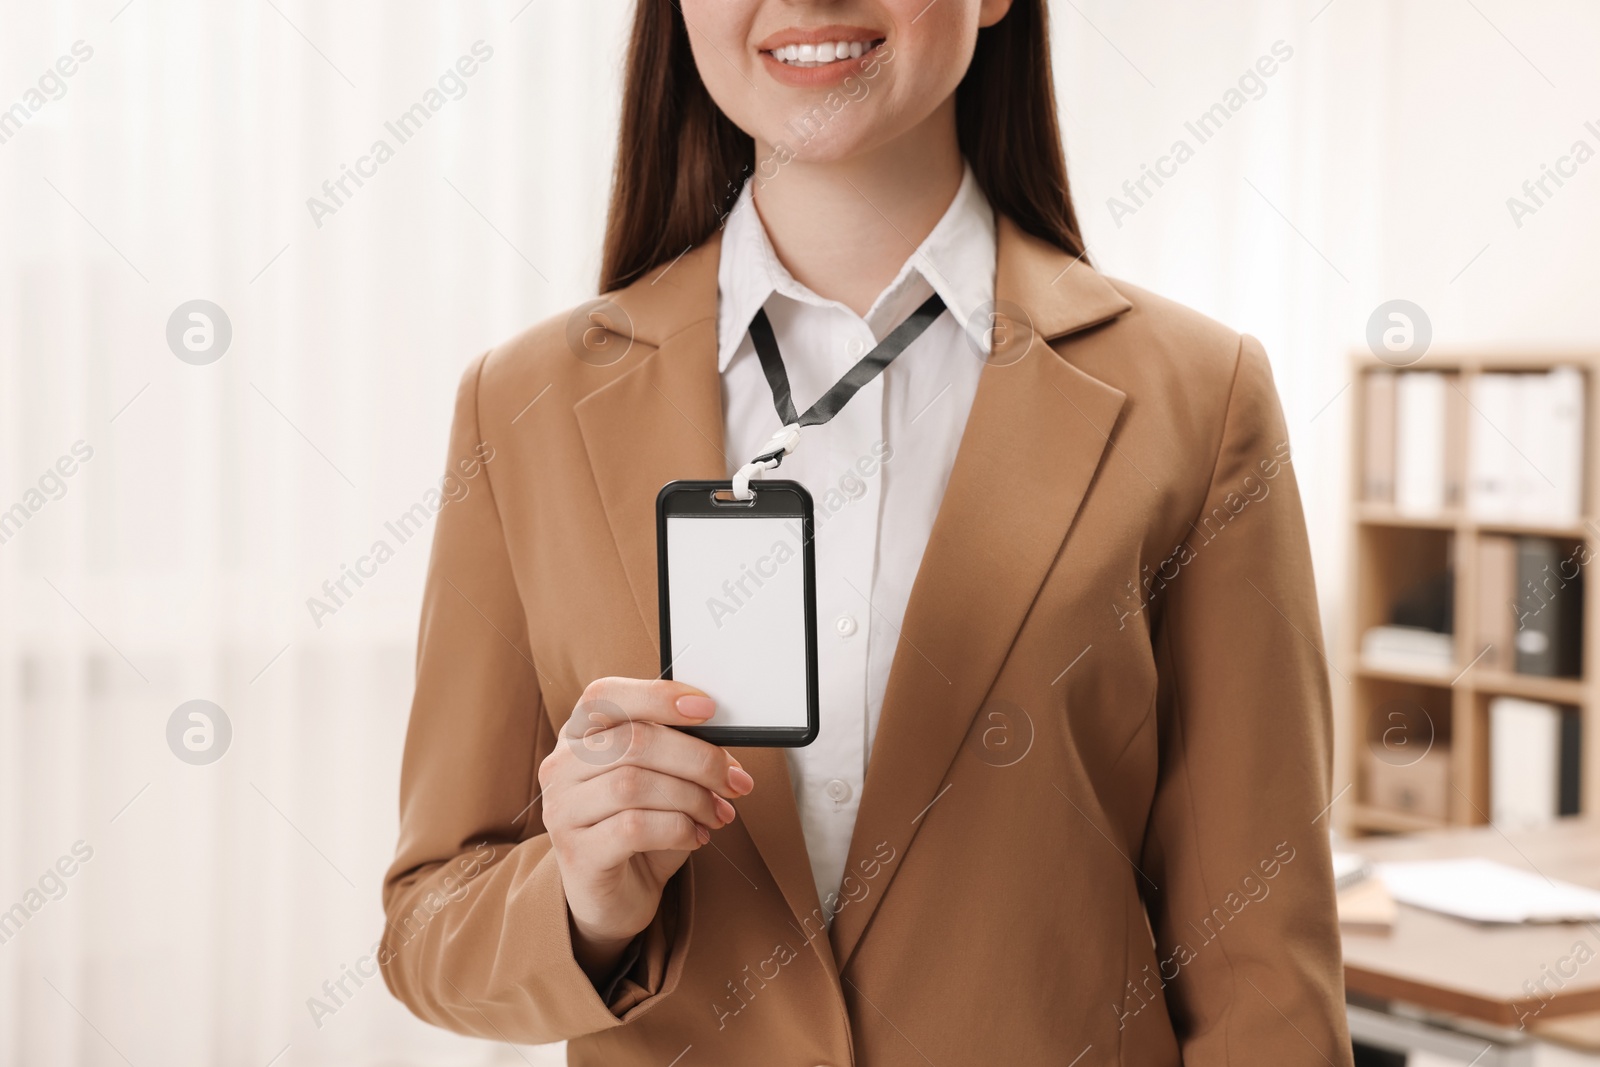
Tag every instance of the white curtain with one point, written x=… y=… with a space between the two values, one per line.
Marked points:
x=175 y=912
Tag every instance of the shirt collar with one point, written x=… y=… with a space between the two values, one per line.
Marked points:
x=957 y=259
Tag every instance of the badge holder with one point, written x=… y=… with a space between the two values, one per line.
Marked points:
x=736 y=570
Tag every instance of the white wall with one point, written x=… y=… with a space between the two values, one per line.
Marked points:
x=177 y=564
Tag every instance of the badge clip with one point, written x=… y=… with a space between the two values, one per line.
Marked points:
x=778 y=445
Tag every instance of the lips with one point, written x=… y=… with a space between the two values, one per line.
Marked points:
x=820 y=56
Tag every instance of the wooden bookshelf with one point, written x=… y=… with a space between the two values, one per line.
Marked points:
x=1387 y=549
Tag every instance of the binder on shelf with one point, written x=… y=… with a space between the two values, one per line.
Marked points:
x=1548 y=608
x=1456 y=427
x=1419 y=454
x=1378 y=446
x=1534 y=761
x=1496 y=617
x=1489 y=452
x=1529 y=395
x=1525 y=447
x=1562 y=435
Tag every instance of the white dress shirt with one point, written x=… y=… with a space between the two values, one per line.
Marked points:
x=876 y=472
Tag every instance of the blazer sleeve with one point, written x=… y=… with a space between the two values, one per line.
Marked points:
x=477 y=937
x=1237 y=848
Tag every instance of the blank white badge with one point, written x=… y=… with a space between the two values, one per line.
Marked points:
x=737 y=604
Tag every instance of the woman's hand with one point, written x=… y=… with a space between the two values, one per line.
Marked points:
x=626 y=799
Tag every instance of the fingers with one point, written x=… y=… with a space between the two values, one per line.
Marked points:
x=608 y=702
x=662 y=749
x=626 y=721
x=618 y=839
x=621 y=788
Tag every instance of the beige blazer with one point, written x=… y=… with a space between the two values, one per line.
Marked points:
x=1094 y=827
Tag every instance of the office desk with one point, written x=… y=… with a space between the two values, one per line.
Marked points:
x=1500 y=975
x=1453 y=986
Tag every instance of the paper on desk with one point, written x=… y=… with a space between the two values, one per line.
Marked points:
x=1484 y=891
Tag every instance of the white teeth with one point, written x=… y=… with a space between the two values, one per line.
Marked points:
x=817 y=55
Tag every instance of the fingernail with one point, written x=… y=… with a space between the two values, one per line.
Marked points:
x=701 y=833
x=740 y=780
x=696 y=707
x=725 y=811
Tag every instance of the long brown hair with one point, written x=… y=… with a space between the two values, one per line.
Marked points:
x=681 y=163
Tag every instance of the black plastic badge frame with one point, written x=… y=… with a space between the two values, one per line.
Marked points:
x=776 y=499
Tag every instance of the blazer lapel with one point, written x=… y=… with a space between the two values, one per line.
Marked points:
x=1032 y=444
x=661 y=420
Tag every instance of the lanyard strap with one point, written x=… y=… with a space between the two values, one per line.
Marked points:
x=831 y=402
x=868 y=368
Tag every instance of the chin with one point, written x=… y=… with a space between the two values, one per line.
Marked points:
x=824 y=147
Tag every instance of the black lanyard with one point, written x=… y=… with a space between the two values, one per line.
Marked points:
x=869 y=367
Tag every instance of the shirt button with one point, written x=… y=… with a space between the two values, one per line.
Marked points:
x=846 y=625
x=856 y=348
x=838 y=790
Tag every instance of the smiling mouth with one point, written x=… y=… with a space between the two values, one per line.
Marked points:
x=823 y=53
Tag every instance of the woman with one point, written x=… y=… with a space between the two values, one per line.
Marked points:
x=1068 y=799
